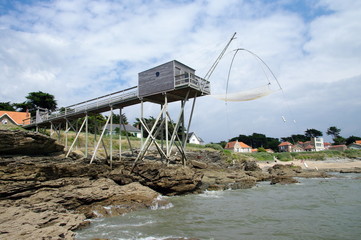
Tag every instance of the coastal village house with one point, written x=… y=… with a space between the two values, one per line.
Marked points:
x=355 y=145
x=316 y=144
x=285 y=147
x=128 y=128
x=341 y=147
x=193 y=138
x=236 y=146
x=14 y=118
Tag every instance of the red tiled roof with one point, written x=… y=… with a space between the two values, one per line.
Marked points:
x=335 y=146
x=243 y=145
x=230 y=144
x=358 y=141
x=309 y=147
x=17 y=117
x=285 y=144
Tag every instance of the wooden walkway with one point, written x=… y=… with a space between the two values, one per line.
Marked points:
x=193 y=84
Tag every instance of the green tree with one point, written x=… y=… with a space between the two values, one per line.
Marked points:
x=6 y=106
x=313 y=133
x=96 y=122
x=257 y=140
x=352 y=139
x=116 y=118
x=339 y=140
x=295 y=138
x=333 y=131
x=37 y=100
x=22 y=107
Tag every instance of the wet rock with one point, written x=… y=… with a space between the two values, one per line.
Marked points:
x=250 y=166
x=226 y=179
x=165 y=179
x=76 y=154
x=355 y=170
x=287 y=169
x=283 y=180
x=198 y=164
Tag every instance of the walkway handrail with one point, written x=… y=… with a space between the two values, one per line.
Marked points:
x=110 y=99
x=89 y=104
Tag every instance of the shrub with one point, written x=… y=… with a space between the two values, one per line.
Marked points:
x=263 y=156
x=352 y=153
x=261 y=149
x=214 y=146
x=285 y=156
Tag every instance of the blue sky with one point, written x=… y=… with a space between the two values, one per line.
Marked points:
x=78 y=50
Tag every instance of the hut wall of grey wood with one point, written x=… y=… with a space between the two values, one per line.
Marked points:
x=161 y=78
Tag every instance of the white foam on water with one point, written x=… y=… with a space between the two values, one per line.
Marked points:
x=212 y=194
x=157 y=203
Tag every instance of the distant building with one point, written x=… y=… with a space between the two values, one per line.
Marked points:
x=316 y=144
x=355 y=145
x=341 y=147
x=236 y=146
x=115 y=130
x=327 y=145
x=14 y=118
x=285 y=147
x=193 y=138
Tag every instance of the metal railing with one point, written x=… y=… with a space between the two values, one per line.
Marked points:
x=193 y=81
x=92 y=104
x=110 y=99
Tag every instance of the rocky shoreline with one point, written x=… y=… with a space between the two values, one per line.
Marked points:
x=50 y=196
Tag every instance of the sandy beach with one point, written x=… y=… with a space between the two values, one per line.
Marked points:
x=329 y=164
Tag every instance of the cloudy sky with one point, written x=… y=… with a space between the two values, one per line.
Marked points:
x=77 y=50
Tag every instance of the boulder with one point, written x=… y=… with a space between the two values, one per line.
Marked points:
x=250 y=166
x=198 y=164
x=286 y=169
x=283 y=180
x=27 y=143
x=226 y=179
x=165 y=179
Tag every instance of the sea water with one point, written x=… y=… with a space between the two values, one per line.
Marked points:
x=312 y=209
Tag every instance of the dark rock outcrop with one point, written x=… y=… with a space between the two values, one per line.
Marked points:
x=283 y=180
x=28 y=143
x=166 y=179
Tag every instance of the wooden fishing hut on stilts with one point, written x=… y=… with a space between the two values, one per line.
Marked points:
x=170 y=82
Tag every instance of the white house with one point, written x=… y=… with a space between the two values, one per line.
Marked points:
x=236 y=146
x=193 y=138
x=318 y=144
x=128 y=128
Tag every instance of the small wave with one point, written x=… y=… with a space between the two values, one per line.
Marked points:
x=158 y=207
x=99 y=215
x=155 y=238
x=212 y=194
x=161 y=203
